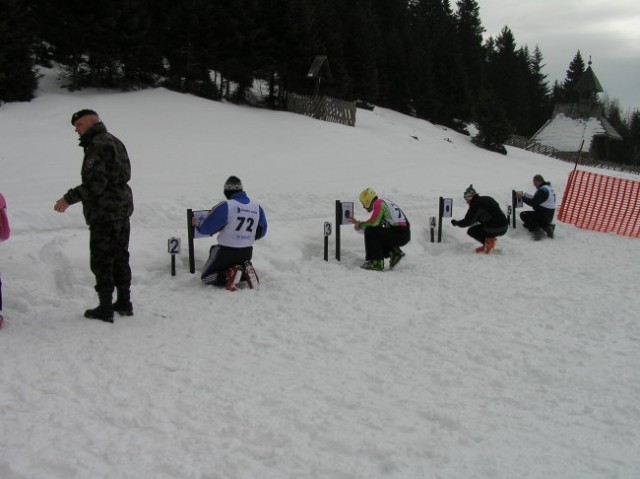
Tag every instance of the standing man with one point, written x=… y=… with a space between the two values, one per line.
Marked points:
x=486 y=219
x=107 y=204
x=384 y=232
x=543 y=203
x=239 y=221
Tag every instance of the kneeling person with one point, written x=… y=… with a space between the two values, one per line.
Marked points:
x=543 y=203
x=485 y=218
x=239 y=221
x=384 y=232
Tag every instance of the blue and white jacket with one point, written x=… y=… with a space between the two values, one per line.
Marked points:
x=238 y=220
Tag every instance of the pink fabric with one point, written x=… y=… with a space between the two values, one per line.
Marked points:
x=5 y=231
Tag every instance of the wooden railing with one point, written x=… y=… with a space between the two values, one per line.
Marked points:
x=323 y=108
x=569 y=156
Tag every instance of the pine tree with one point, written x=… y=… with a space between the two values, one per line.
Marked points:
x=362 y=53
x=60 y=24
x=240 y=35
x=112 y=43
x=537 y=94
x=136 y=49
x=507 y=71
x=190 y=47
x=423 y=93
x=331 y=28
x=473 y=53
x=393 y=63
x=576 y=69
x=294 y=43
x=634 y=139
x=493 y=125
x=441 y=90
x=17 y=75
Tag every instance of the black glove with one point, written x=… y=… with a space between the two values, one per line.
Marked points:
x=454 y=222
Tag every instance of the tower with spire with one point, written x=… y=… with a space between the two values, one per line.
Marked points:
x=571 y=123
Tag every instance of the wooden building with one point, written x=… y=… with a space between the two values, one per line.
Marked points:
x=573 y=123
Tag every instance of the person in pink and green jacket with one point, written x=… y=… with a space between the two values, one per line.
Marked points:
x=5 y=231
x=386 y=230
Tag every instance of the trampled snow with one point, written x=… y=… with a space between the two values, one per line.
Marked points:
x=521 y=363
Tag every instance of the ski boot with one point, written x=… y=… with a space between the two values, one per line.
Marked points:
x=538 y=234
x=396 y=255
x=489 y=244
x=373 y=265
x=250 y=275
x=233 y=276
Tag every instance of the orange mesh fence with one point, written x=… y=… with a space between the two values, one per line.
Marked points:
x=601 y=203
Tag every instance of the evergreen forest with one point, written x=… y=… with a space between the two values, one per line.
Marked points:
x=426 y=58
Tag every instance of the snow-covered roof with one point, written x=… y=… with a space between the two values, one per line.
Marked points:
x=565 y=134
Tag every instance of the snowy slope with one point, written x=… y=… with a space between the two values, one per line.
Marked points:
x=522 y=363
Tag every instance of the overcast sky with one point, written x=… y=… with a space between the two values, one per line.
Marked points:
x=606 y=30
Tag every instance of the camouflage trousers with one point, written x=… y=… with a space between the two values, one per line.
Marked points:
x=109 y=255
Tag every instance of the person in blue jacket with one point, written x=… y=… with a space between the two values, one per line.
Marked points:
x=239 y=222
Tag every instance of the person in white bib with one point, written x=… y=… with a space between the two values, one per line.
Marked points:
x=239 y=222
x=386 y=230
x=543 y=201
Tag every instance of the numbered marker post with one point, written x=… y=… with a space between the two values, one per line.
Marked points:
x=509 y=211
x=432 y=228
x=338 y=223
x=327 y=233
x=173 y=247
x=347 y=212
x=445 y=211
x=192 y=233
x=192 y=258
x=515 y=203
x=344 y=211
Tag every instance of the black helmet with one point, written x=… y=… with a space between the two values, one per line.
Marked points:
x=232 y=186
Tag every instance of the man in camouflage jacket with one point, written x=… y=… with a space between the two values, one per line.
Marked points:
x=107 y=204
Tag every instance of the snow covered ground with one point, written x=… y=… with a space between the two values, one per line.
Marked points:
x=521 y=363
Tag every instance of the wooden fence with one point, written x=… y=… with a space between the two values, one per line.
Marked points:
x=323 y=108
x=569 y=156
x=524 y=143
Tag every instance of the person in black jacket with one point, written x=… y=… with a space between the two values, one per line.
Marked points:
x=107 y=203
x=485 y=218
x=543 y=203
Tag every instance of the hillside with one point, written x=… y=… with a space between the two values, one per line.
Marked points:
x=522 y=363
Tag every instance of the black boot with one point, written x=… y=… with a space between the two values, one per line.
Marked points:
x=104 y=311
x=549 y=229
x=123 y=305
x=538 y=234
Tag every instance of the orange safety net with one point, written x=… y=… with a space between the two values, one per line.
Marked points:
x=601 y=203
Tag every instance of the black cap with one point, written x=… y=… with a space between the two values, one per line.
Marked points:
x=471 y=191
x=232 y=186
x=539 y=178
x=80 y=114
